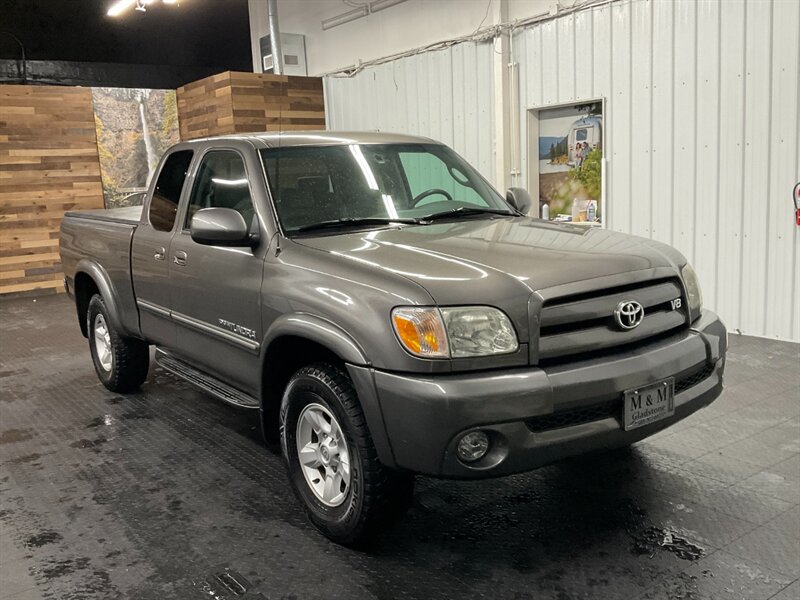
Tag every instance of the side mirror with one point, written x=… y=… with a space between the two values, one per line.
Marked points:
x=520 y=199
x=220 y=227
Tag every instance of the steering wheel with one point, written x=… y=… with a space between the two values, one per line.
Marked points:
x=419 y=198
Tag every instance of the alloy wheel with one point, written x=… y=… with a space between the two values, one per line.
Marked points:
x=323 y=454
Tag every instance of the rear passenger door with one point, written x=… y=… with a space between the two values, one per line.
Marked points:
x=150 y=250
x=216 y=289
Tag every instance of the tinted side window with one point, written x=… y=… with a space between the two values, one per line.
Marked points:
x=167 y=193
x=301 y=185
x=221 y=182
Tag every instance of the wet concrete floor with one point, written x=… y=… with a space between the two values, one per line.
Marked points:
x=168 y=493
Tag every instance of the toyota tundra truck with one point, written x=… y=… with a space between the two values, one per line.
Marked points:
x=388 y=313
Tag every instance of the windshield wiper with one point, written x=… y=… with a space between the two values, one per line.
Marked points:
x=467 y=210
x=354 y=222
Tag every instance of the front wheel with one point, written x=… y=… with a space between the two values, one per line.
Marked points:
x=121 y=362
x=331 y=460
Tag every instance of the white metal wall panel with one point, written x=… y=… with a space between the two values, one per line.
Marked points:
x=755 y=176
x=783 y=275
x=685 y=127
x=661 y=195
x=566 y=71
x=702 y=135
x=584 y=49
x=708 y=111
x=731 y=140
x=641 y=117
x=620 y=138
x=701 y=129
x=549 y=64
x=446 y=95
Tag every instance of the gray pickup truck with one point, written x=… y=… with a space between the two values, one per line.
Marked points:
x=388 y=313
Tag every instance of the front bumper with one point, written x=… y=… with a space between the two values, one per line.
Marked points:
x=416 y=420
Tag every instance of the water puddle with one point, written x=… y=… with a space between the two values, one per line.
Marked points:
x=42 y=539
x=105 y=420
x=12 y=372
x=11 y=436
x=653 y=539
x=93 y=444
x=28 y=458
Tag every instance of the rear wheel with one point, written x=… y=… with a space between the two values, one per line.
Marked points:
x=331 y=460
x=121 y=362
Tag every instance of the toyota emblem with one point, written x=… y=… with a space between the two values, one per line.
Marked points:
x=628 y=314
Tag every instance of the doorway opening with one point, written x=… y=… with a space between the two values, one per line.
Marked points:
x=566 y=164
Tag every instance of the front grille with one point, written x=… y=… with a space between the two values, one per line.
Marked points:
x=576 y=325
x=609 y=408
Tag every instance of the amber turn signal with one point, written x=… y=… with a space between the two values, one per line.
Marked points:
x=421 y=331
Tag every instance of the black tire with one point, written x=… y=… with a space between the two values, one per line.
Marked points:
x=376 y=495
x=129 y=357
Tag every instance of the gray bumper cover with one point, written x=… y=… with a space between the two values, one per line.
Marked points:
x=417 y=419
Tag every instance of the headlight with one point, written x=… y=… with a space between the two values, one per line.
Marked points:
x=454 y=332
x=479 y=331
x=693 y=293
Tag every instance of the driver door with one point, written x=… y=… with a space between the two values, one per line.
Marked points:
x=216 y=289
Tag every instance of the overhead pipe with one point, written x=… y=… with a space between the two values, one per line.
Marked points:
x=275 y=38
x=362 y=10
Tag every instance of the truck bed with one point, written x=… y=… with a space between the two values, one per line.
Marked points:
x=128 y=214
x=100 y=240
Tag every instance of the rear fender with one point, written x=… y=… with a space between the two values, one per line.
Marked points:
x=107 y=292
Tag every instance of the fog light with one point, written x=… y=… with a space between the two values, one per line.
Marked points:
x=472 y=446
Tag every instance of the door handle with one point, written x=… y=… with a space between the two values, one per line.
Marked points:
x=160 y=253
x=180 y=258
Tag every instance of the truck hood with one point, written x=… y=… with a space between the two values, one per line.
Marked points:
x=497 y=262
x=534 y=254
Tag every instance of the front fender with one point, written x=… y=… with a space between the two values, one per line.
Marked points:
x=318 y=330
x=337 y=340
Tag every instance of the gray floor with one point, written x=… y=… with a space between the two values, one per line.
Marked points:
x=157 y=494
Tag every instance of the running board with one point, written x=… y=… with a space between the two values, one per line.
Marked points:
x=204 y=381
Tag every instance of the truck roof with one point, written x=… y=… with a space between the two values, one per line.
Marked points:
x=317 y=138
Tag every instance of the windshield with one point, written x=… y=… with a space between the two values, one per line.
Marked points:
x=322 y=184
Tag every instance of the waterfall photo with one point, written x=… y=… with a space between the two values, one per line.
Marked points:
x=134 y=127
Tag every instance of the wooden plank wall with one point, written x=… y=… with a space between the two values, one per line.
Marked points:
x=49 y=161
x=48 y=165
x=234 y=102
x=205 y=107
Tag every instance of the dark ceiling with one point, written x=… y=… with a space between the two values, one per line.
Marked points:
x=191 y=33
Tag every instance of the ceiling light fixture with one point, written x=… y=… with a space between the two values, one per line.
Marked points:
x=120 y=6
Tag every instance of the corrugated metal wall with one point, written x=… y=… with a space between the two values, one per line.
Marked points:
x=702 y=129
x=702 y=136
x=445 y=95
